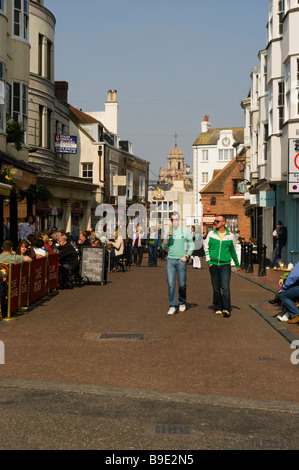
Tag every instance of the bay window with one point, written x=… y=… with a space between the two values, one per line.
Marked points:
x=21 y=19
x=20 y=105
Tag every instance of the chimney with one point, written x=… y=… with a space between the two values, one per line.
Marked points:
x=205 y=125
x=109 y=97
x=114 y=96
x=61 y=90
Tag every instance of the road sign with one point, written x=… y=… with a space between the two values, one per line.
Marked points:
x=293 y=182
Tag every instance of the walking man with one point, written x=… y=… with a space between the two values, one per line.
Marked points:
x=219 y=251
x=179 y=244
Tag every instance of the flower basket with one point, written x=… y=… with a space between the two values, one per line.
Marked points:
x=15 y=133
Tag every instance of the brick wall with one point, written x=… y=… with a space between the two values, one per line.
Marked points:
x=227 y=203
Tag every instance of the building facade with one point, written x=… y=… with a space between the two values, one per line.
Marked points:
x=212 y=150
x=48 y=117
x=222 y=196
x=173 y=192
x=274 y=139
x=176 y=167
x=105 y=160
x=15 y=202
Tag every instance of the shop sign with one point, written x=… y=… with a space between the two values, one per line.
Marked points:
x=267 y=198
x=293 y=177
x=119 y=180
x=254 y=199
x=208 y=219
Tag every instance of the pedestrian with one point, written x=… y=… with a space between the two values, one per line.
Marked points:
x=153 y=244
x=179 y=245
x=289 y=295
x=75 y=233
x=28 y=227
x=280 y=239
x=198 y=248
x=219 y=251
x=137 y=246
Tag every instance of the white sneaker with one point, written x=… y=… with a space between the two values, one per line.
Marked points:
x=284 y=317
x=171 y=311
x=182 y=307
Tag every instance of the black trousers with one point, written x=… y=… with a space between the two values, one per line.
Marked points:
x=137 y=255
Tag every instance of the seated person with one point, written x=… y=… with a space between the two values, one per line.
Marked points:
x=8 y=257
x=289 y=294
x=38 y=246
x=93 y=239
x=23 y=248
x=68 y=261
x=117 y=249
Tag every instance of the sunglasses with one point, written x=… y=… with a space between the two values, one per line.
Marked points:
x=217 y=221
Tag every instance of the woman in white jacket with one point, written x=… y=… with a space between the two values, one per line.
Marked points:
x=117 y=251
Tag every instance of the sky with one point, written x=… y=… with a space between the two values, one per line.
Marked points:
x=171 y=62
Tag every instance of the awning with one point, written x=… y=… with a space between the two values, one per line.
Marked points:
x=5 y=189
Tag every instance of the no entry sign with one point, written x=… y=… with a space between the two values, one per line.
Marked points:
x=293 y=182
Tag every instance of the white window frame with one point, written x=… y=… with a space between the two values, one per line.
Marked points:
x=3 y=6
x=205 y=155
x=87 y=167
x=141 y=186
x=129 y=188
x=21 y=20
x=113 y=172
x=20 y=113
x=281 y=104
x=205 y=177
x=2 y=96
x=225 y=155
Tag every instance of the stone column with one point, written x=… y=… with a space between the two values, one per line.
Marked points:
x=87 y=215
x=68 y=215
x=44 y=56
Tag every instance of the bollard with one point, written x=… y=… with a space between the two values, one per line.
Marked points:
x=249 y=258
x=243 y=256
x=262 y=261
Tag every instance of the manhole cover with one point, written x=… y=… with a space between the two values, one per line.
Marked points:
x=172 y=429
x=122 y=336
x=117 y=336
x=266 y=358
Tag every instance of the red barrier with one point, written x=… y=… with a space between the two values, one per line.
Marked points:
x=25 y=283
x=37 y=278
x=28 y=282
x=52 y=272
x=13 y=289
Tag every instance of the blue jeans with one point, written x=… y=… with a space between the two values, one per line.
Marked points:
x=288 y=299
x=176 y=269
x=152 y=255
x=276 y=254
x=220 y=277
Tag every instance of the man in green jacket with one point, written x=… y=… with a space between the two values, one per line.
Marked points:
x=219 y=251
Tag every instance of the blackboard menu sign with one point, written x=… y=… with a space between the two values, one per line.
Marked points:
x=93 y=264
